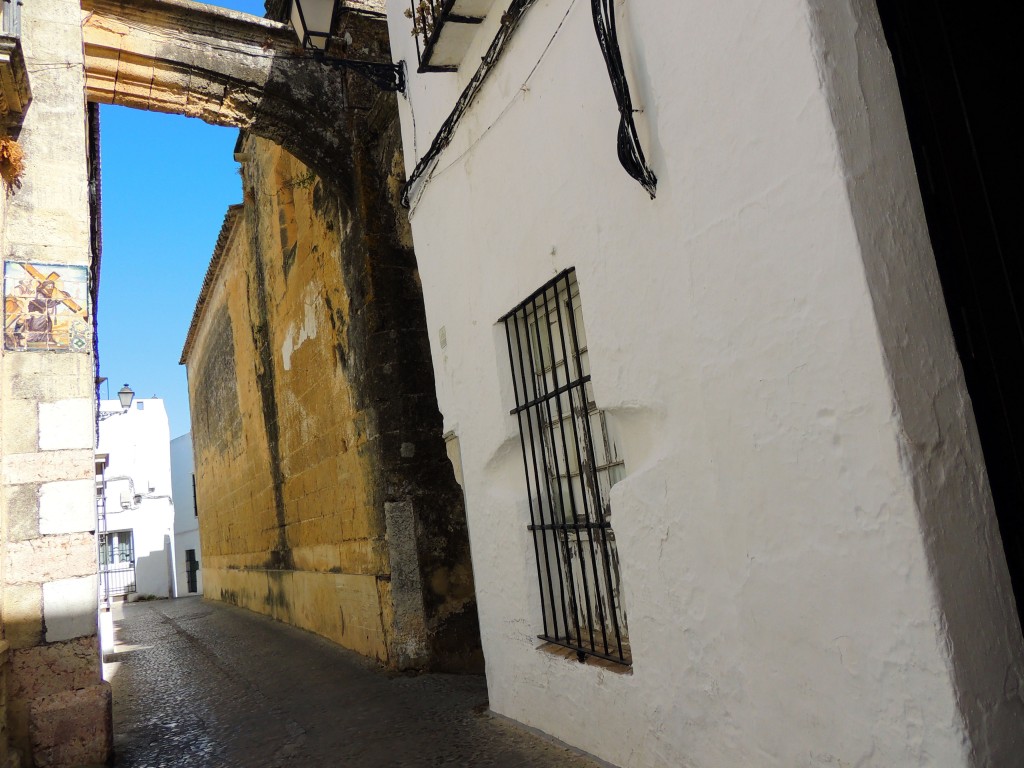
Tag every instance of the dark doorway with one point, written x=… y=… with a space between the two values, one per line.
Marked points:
x=191 y=570
x=957 y=67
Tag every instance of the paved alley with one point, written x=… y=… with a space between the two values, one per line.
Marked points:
x=200 y=684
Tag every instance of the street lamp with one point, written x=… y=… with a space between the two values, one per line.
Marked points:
x=125 y=395
x=314 y=22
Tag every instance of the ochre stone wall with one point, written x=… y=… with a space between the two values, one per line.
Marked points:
x=286 y=520
x=299 y=515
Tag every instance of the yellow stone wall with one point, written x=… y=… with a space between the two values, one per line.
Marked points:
x=310 y=551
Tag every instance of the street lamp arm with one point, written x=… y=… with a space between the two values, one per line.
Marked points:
x=315 y=22
x=387 y=77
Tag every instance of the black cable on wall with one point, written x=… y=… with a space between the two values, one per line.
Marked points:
x=509 y=23
x=631 y=154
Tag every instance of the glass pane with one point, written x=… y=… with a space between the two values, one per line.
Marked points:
x=317 y=15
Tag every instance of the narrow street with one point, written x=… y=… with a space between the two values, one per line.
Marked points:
x=199 y=684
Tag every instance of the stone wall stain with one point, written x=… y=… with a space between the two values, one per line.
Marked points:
x=217 y=417
x=342 y=514
x=280 y=557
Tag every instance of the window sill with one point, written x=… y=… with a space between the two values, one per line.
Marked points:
x=591 y=661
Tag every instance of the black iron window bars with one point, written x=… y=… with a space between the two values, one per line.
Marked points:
x=117 y=563
x=570 y=465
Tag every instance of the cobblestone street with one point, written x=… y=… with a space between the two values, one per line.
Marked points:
x=200 y=684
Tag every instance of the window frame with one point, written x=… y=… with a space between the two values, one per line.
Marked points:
x=568 y=473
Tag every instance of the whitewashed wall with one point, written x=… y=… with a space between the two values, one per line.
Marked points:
x=787 y=583
x=138 y=442
x=186 y=522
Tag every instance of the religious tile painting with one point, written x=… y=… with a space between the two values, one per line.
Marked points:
x=46 y=307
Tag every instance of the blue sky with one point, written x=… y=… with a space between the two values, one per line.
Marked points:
x=167 y=181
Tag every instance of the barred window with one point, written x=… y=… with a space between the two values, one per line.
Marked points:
x=570 y=465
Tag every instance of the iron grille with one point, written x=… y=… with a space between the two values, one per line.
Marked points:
x=570 y=465
x=438 y=47
x=117 y=563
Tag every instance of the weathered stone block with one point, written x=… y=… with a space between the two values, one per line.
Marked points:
x=46 y=466
x=102 y=71
x=21 y=427
x=23 y=614
x=67 y=506
x=51 y=557
x=69 y=608
x=72 y=728
x=49 y=16
x=136 y=98
x=22 y=511
x=46 y=378
x=66 y=424
x=139 y=72
x=48 y=669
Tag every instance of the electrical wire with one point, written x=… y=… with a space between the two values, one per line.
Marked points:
x=509 y=23
x=508 y=107
x=630 y=151
x=631 y=154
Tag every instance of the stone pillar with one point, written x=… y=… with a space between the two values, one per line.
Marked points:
x=57 y=706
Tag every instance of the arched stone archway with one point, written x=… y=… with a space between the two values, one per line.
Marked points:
x=229 y=68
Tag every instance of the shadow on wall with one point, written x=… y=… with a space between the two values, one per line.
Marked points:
x=154 y=572
x=169 y=551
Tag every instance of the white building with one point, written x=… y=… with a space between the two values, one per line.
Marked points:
x=775 y=508
x=137 y=547
x=188 y=574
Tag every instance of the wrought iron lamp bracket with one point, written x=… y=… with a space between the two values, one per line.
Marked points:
x=387 y=77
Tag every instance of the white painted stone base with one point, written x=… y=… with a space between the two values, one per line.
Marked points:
x=69 y=608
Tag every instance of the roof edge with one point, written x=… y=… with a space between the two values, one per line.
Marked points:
x=212 y=272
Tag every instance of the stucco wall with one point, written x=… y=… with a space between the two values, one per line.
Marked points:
x=47 y=406
x=186 y=517
x=300 y=516
x=137 y=442
x=777 y=562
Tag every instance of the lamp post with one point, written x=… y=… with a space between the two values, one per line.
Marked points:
x=314 y=22
x=125 y=395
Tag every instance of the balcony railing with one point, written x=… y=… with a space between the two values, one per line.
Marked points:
x=15 y=93
x=444 y=30
x=10 y=18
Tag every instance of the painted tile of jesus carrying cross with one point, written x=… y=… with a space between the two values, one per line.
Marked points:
x=46 y=307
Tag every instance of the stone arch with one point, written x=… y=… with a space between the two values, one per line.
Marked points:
x=229 y=68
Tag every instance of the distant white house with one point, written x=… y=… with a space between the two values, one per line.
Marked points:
x=188 y=577
x=136 y=533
